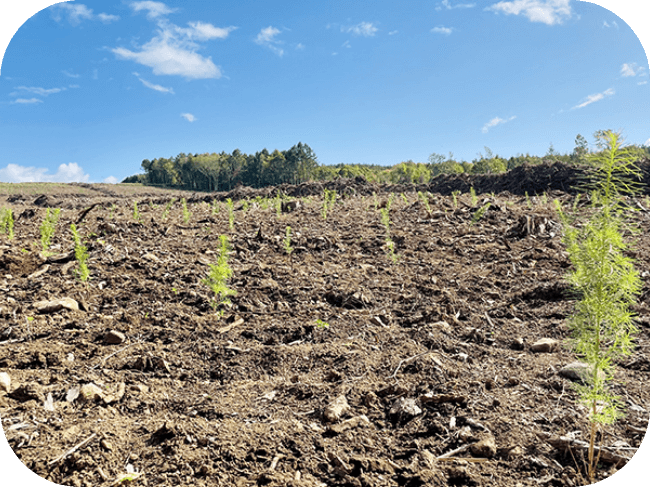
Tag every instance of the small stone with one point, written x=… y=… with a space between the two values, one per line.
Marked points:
x=517 y=344
x=544 y=345
x=114 y=338
x=486 y=447
x=404 y=409
x=578 y=371
x=376 y=320
x=150 y=257
x=336 y=409
x=56 y=305
x=350 y=424
x=5 y=382
x=91 y=392
x=141 y=388
x=106 y=445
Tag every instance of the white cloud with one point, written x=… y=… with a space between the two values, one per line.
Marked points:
x=202 y=31
x=365 y=29
x=641 y=83
x=631 y=69
x=266 y=37
x=173 y=51
x=70 y=75
x=594 y=98
x=78 y=12
x=111 y=180
x=300 y=47
x=40 y=91
x=442 y=30
x=106 y=18
x=346 y=44
x=189 y=117
x=27 y=101
x=66 y=173
x=549 y=12
x=613 y=24
x=647 y=143
x=154 y=9
x=393 y=32
x=445 y=4
x=494 y=122
x=153 y=86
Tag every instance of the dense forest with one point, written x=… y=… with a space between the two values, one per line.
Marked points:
x=223 y=171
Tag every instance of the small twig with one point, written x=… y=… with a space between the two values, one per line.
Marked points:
x=453 y=452
x=274 y=462
x=15 y=340
x=113 y=354
x=466 y=459
x=73 y=449
x=407 y=360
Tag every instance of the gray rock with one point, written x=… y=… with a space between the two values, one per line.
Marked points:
x=403 y=409
x=544 y=345
x=56 y=305
x=578 y=371
x=114 y=337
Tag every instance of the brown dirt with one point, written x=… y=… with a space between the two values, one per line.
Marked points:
x=432 y=353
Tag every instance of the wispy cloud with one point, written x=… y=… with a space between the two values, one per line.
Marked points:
x=70 y=75
x=66 y=173
x=110 y=180
x=78 y=12
x=154 y=9
x=189 y=117
x=608 y=25
x=36 y=90
x=27 y=101
x=594 y=98
x=647 y=143
x=641 y=83
x=494 y=122
x=393 y=32
x=362 y=29
x=442 y=30
x=267 y=38
x=448 y=6
x=153 y=86
x=549 y=12
x=631 y=69
x=173 y=51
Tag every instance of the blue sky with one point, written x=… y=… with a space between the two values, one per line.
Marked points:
x=90 y=89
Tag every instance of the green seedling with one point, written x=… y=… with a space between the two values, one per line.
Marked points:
x=136 y=213
x=220 y=272
x=406 y=201
x=375 y=201
x=186 y=213
x=480 y=212
x=215 y=207
x=111 y=211
x=168 y=207
x=48 y=227
x=472 y=195
x=231 y=213
x=454 y=195
x=322 y=324
x=575 y=203
x=81 y=254
x=389 y=202
x=246 y=205
x=544 y=199
x=602 y=324
x=287 y=241
x=7 y=223
x=528 y=203
x=329 y=199
x=425 y=201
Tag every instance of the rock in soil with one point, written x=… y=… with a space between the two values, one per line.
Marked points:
x=486 y=447
x=544 y=345
x=114 y=337
x=336 y=409
x=45 y=307
x=5 y=382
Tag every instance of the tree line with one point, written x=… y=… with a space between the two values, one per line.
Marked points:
x=223 y=171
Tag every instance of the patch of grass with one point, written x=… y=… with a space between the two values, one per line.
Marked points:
x=329 y=199
x=323 y=325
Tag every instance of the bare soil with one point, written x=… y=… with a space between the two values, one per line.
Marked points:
x=334 y=366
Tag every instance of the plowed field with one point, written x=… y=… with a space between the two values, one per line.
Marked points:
x=335 y=364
